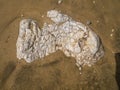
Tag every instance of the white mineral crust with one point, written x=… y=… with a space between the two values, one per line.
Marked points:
x=63 y=33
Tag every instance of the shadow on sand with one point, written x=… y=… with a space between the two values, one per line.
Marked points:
x=117 y=58
x=6 y=73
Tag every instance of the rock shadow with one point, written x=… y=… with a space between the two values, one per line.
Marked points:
x=117 y=76
x=10 y=67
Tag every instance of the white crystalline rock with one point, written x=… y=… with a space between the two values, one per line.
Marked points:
x=28 y=40
x=57 y=17
x=73 y=38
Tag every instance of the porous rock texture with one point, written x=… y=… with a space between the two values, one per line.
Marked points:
x=63 y=33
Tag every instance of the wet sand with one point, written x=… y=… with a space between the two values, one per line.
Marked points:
x=56 y=71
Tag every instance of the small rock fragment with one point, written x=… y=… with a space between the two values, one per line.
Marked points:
x=59 y=1
x=94 y=2
x=97 y=21
x=42 y=16
x=113 y=30
x=88 y=22
x=111 y=35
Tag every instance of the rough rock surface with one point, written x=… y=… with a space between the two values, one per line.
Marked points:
x=63 y=33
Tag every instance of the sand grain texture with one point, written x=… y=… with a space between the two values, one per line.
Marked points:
x=58 y=72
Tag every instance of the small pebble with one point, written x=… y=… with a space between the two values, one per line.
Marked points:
x=113 y=30
x=59 y=1
x=42 y=16
x=80 y=68
x=88 y=22
x=111 y=35
x=97 y=21
x=93 y=2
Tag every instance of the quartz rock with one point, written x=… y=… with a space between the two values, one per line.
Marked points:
x=65 y=34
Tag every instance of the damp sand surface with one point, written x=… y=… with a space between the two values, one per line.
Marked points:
x=56 y=71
